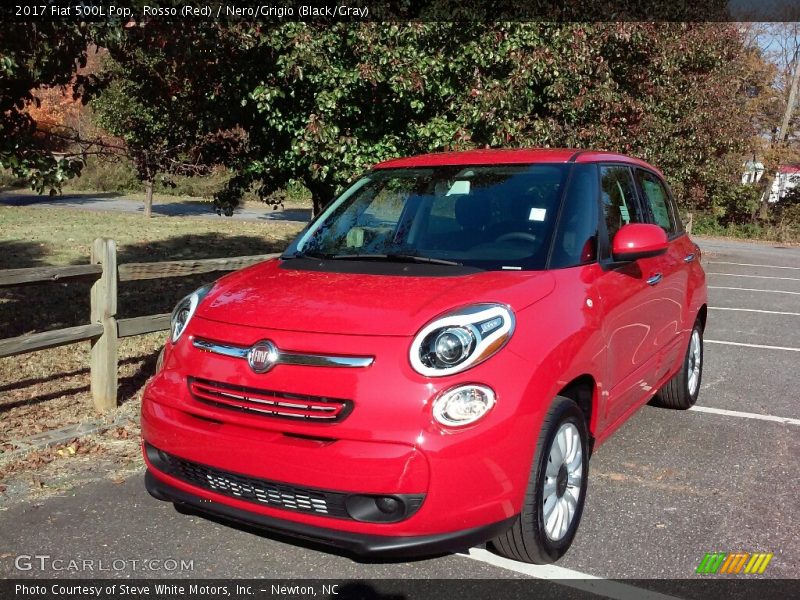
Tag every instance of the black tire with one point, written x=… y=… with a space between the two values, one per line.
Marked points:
x=527 y=539
x=675 y=393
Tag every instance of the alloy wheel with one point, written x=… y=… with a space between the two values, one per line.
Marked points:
x=563 y=481
x=695 y=360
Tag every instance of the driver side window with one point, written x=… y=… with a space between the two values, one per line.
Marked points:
x=576 y=239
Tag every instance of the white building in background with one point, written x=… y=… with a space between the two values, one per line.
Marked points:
x=787 y=177
x=752 y=171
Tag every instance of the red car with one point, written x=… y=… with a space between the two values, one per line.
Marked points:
x=431 y=362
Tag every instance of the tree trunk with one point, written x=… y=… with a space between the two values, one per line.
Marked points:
x=787 y=115
x=317 y=202
x=321 y=194
x=148 y=198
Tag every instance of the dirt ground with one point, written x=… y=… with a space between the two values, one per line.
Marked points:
x=45 y=395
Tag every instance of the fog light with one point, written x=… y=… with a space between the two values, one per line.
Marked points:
x=387 y=504
x=382 y=509
x=463 y=405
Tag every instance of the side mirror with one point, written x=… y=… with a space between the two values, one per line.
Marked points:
x=638 y=240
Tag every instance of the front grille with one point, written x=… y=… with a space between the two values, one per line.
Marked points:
x=269 y=403
x=259 y=491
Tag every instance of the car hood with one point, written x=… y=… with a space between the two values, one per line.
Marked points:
x=269 y=296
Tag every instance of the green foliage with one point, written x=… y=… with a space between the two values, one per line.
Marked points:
x=160 y=93
x=9 y=180
x=32 y=55
x=100 y=175
x=330 y=100
x=735 y=203
x=785 y=215
x=119 y=176
x=165 y=95
x=782 y=226
x=315 y=104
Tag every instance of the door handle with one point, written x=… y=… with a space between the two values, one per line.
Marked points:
x=654 y=279
x=689 y=257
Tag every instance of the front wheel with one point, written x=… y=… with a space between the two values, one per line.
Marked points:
x=556 y=490
x=682 y=390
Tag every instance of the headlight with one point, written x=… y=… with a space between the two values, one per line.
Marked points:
x=461 y=339
x=184 y=311
x=463 y=405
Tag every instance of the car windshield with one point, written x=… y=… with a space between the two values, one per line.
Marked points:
x=490 y=217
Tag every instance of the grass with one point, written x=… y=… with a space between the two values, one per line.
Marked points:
x=119 y=177
x=50 y=389
x=784 y=230
x=33 y=236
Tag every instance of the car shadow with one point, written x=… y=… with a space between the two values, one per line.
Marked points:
x=301 y=542
x=288 y=214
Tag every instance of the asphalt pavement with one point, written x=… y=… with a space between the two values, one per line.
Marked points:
x=668 y=487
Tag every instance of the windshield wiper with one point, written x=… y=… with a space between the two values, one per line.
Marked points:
x=311 y=254
x=398 y=258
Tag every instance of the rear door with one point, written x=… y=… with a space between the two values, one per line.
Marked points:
x=672 y=267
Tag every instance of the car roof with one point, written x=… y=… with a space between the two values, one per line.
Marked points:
x=510 y=157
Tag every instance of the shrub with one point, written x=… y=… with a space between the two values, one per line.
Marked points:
x=9 y=180
x=100 y=175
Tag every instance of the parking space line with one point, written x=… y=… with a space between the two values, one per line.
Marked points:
x=746 y=415
x=754 y=276
x=568 y=577
x=756 y=310
x=719 y=287
x=765 y=347
x=722 y=262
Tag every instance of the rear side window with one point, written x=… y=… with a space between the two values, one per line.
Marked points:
x=576 y=239
x=658 y=200
x=618 y=194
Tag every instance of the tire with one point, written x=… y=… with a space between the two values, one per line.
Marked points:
x=682 y=390
x=528 y=539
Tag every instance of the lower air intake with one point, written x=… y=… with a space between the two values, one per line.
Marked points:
x=260 y=491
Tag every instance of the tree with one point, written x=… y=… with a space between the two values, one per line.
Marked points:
x=158 y=95
x=318 y=103
x=33 y=55
x=776 y=45
x=330 y=100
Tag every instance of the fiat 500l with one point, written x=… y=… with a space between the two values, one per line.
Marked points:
x=431 y=362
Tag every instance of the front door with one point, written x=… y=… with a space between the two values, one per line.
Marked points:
x=630 y=300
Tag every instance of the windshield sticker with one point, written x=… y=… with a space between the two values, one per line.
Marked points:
x=537 y=214
x=458 y=188
x=355 y=237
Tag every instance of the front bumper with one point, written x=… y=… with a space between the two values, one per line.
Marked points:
x=359 y=543
x=472 y=479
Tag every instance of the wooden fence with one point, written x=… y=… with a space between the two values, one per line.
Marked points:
x=104 y=329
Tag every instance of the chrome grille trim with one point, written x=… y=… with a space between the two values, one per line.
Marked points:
x=223 y=349
x=286 y=357
x=268 y=402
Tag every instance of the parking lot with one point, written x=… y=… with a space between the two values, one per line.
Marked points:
x=667 y=488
